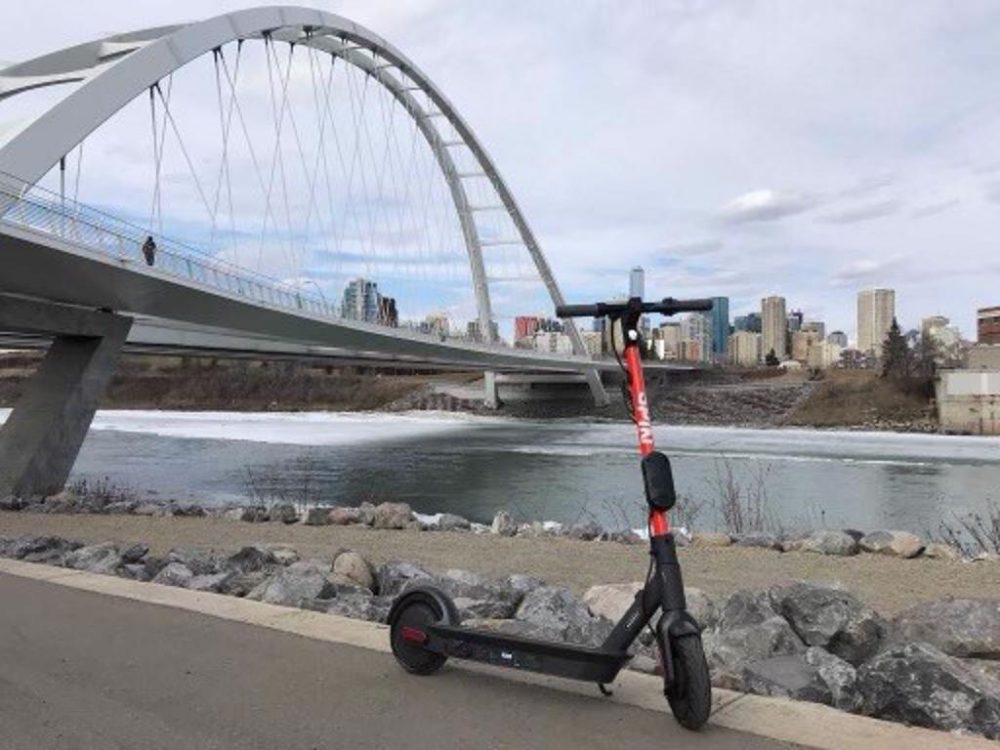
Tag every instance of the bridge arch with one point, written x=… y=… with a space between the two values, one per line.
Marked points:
x=117 y=69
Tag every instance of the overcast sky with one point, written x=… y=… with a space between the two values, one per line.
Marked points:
x=733 y=148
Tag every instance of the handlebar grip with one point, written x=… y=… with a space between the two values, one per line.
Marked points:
x=671 y=306
x=578 y=311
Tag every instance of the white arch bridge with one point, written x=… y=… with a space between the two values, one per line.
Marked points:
x=311 y=159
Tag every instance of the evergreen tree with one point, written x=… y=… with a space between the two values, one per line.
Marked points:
x=771 y=360
x=895 y=354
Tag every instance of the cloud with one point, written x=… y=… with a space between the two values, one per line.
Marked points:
x=933 y=209
x=862 y=212
x=695 y=248
x=867 y=271
x=765 y=205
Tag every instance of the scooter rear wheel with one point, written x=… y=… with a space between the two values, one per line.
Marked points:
x=415 y=615
x=690 y=695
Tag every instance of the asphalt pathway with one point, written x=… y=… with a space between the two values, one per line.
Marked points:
x=80 y=670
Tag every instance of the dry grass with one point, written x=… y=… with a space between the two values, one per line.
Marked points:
x=854 y=397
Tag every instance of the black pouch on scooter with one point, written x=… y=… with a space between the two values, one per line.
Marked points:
x=659 y=480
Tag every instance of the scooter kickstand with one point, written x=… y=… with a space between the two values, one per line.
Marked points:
x=604 y=691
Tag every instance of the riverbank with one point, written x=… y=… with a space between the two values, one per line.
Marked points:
x=755 y=398
x=889 y=584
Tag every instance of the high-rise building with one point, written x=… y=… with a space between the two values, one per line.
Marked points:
x=839 y=338
x=744 y=348
x=360 y=300
x=876 y=310
x=388 y=315
x=719 y=327
x=815 y=326
x=988 y=325
x=695 y=328
x=667 y=341
x=473 y=332
x=823 y=354
x=774 y=327
x=637 y=282
x=795 y=318
x=749 y=322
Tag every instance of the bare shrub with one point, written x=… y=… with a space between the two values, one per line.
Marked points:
x=742 y=505
x=102 y=492
x=973 y=533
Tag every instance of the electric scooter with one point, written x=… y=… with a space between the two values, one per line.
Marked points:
x=425 y=627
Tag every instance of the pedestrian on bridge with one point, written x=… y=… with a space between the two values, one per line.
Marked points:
x=149 y=251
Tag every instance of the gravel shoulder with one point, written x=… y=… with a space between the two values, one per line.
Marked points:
x=888 y=584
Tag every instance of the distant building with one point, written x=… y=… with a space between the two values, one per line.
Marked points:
x=719 y=327
x=667 y=341
x=473 y=332
x=438 y=323
x=801 y=341
x=815 y=326
x=553 y=343
x=839 y=338
x=774 y=327
x=944 y=338
x=876 y=310
x=593 y=341
x=637 y=282
x=695 y=328
x=795 y=318
x=988 y=325
x=388 y=315
x=360 y=300
x=744 y=348
x=749 y=322
x=823 y=354
x=525 y=326
x=691 y=350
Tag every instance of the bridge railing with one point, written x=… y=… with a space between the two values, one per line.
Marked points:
x=35 y=208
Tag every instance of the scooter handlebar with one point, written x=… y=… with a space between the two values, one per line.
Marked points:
x=666 y=306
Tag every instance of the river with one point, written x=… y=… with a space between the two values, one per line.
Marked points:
x=555 y=470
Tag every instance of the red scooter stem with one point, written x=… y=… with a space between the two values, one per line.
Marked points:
x=659 y=523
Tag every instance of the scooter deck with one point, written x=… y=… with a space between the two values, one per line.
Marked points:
x=530 y=654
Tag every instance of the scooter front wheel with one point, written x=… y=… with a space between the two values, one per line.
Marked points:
x=690 y=694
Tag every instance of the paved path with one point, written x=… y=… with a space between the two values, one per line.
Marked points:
x=81 y=670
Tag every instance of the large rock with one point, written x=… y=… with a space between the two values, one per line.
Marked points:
x=941 y=551
x=215 y=582
x=553 y=609
x=711 y=539
x=50 y=550
x=97 y=558
x=134 y=553
x=284 y=554
x=838 y=543
x=174 y=574
x=317 y=516
x=392 y=516
x=960 y=627
x=341 y=516
x=496 y=597
x=815 y=676
x=918 y=684
x=583 y=530
x=746 y=607
x=830 y=617
x=292 y=586
x=892 y=543
x=254 y=514
x=701 y=606
x=284 y=513
x=521 y=584
x=728 y=651
x=451 y=522
x=198 y=561
x=187 y=510
x=250 y=559
x=503 y=524
x=394 y=575
x=11 y=503
x=351 y=568
x=241 y=584
x=611 y=600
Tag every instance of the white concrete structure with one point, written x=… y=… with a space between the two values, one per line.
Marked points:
x=744 y=348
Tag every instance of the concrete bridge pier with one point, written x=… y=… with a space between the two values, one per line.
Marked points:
x=42 y=436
